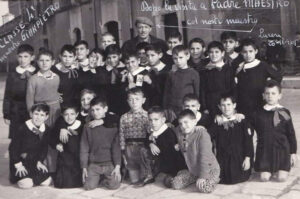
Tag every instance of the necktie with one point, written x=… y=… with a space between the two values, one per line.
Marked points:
x=37 y=132
x=279 y=112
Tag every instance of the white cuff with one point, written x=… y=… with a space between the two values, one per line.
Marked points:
x=18 y=165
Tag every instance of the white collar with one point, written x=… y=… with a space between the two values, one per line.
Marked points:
x=75 y=125
x=84 y=62
x=87 y=68
x=160 y=131
x=198 y=116
x=22 y=70
x=39 y=74
x=233 y=55
x=83 y=113
x=31 y=126
x=137 y=71
x=268 y=107
x=160 y=66
x=225 y=119
x=109 y=68
x=60 y=65
x=169 y=52
x=250 y=65
x=120 y=65
x=218 y=65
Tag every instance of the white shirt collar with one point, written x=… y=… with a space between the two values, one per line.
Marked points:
x=109 y=68
x=22 y=70
x=169 y=52
x=226 y=119
x=198 y=116
x=218 y=65
x=137 y=71
x=60 y=65
x=160 y=131
x=234 y=55
x=75 y=125
x=250 y=65
x=31 y=126
x=83 y=113
x=87 y=68
x=39 y=74
x=268 y=107
x=160 y=66
x=84 y=62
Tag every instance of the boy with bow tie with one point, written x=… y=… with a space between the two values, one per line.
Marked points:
x=233 y=141
x=14 y=102
x=276 y=140
x=29 y=150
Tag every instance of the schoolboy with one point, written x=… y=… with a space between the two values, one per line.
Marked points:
x=14 y=102
x=234 y=146
x=173 y=39
x=162 y=141
x=158 y=73
x=107 y=39
x=104 y=162
x=197 y=60
x=230 y=43
x=97 y=58
x=141 y=51
x=29 y=149
x=217 y=78
x=136 y=76
x=181 y=82
x=82 y=52
x=134 y=126
x=191 y=102
x=113 y=75
x=195 y=144
x=68 y=74
x=276 y=141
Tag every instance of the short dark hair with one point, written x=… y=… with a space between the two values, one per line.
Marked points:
x=272 y=84
x=99 y=101
x=154 y=47
x=229 y=35
x=197 y=40
x=98 y=51
x=227 y=95
x=142 y=46
x=112 y=49
x=134 y=91
x=71 y=105
x=215 y=44
x=81 y=42
x=130 y=54
x=190 y=97
x=69 y=48
x=45 y=52
x=40 y=107
x=25 y=48
x=248 y=42
x=187 y=113
x=175 y=34
x=158 y=110
x=180 y=48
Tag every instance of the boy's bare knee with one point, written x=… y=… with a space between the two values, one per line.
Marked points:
x=47 y=182
x=265 y=176
x=282 y=178
x=25 y=183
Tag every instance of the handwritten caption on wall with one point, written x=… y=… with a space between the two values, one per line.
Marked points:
x=247 y=17
x=23 y=32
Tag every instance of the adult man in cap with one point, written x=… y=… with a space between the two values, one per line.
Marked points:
x=144 y=26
